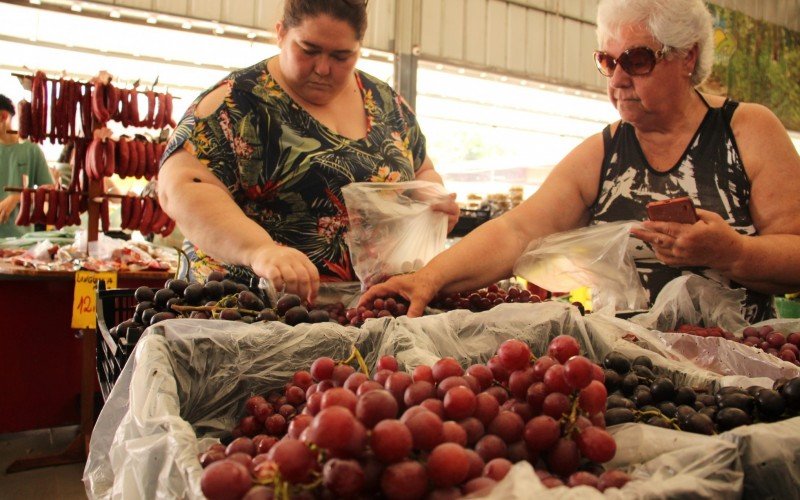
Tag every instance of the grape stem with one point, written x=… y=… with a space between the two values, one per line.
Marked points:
x=213 y=309
x=655 y=413
x=572 y=418
x=356 y=355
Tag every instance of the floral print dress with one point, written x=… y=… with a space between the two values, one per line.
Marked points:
x=285 y=169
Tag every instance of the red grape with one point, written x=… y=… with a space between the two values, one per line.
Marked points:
x=404 y=480
x=459 y=403
x=592 y=399
x=508 y=426
x=497 y=468
x=391 y=441
x=322 y=368
x=514 y=355
x=446 y=367
x=564 y=458
x=225 y=480
x=612 y=479
x=578 y=372
x=387 y=363
x=486 y=408
x=374 y=406
x=426 y=430
x=339 y=396
x=491 y=446
x=344 y=478
x=294 y=459
x=447 y=465
x=563 y=347
x=541 y=433
x=423 y=372
x=596 y=444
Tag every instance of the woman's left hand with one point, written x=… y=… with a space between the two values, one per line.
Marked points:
x=449 y=208
x=709 y=242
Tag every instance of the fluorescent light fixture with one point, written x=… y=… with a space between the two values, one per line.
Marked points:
x=36 y=2
x=152 y=20
x=251 y=35
x=186 y=25
x=115 y=14
x=76 y=8
x=219 y=30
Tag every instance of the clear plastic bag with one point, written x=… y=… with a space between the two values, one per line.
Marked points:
x=696 y=300
x=593 y=256
x=392 y=228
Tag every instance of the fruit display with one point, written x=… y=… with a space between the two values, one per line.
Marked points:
x=221 y=298
x=638 y=394
x=785 y=346
x=438 y=432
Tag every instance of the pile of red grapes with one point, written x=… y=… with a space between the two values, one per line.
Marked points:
x=483 y=299
x=636 y=394
x=438 y=432
x=780 y=345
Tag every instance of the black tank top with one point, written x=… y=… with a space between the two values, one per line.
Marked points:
x=710 y=172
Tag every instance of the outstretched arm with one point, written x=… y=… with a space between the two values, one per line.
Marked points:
x=208 y=216
x=489 y=252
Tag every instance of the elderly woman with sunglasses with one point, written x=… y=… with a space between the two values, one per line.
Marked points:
x=254 y=171
x=734 y=160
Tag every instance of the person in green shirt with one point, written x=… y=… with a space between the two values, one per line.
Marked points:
x=22 y=164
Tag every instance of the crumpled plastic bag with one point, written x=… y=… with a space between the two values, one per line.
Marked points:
x=665 y=464
x=770 y=454
x=392 y=228
x=594 y=256
x=696 y=300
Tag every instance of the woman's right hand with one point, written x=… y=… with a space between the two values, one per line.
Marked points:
x=288 y=269
x=417 y=288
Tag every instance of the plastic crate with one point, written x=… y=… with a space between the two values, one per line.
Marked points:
x=113 y=307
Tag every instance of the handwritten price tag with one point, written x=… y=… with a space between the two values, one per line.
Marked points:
x=84 y=300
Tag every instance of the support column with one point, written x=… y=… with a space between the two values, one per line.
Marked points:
x=407 y=31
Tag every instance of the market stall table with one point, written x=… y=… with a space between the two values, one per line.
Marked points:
x=40 y=353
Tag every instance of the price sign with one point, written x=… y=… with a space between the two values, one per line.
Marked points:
x=84 y=300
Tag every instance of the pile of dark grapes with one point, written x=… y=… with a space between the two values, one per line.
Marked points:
x=483 y=299
x=217 y=298
x=637 y=394
x=438 y=432
x=780 y=345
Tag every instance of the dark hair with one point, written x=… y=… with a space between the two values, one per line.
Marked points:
x=7 y=105
x=353 y=12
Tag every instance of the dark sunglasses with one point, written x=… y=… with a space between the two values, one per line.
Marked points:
x=636 y=61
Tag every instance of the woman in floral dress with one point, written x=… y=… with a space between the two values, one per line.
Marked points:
x=254 y=171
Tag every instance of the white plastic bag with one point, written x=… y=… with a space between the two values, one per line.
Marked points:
x=593 y=256
x=392 y=228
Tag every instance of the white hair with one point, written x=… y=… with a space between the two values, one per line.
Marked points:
x=679 y=24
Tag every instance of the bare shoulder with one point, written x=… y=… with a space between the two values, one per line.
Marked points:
x=212 y=101
x=581 y=168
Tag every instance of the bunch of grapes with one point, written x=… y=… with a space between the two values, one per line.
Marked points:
x=483 y=299
x=785 y=347
x=636 y=394
x=438 y=432
x=390 y=307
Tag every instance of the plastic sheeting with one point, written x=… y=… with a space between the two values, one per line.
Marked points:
x=663 y=463
x=696 y=300
x=770 y=455
x=594 y=256
x=189 y=379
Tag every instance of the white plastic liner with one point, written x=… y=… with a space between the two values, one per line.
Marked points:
x=695 y=300
x=770 y=455
x=665 y=464
x=190 y=378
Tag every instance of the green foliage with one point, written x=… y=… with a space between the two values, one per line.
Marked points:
x=757 y=62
